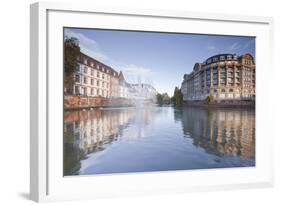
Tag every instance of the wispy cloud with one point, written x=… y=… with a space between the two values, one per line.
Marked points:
x=234 y=46
x=87 y=45
x=250 y=42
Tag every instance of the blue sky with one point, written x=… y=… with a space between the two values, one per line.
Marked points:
x=160 y=59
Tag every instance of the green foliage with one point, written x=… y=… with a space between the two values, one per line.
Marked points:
x=72 y=155
x=71 y=54
x=210 y=98
x=159 y=99
x=163 y=98
x=177 y=99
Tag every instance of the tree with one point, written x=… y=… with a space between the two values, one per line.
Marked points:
x=71 y=54
x=163 y=98
x=210 y=98
x=177 y=99
x=159 y=99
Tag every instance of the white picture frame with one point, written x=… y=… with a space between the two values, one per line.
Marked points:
x=46 y=179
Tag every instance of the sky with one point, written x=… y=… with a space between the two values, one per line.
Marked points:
x=160 y=59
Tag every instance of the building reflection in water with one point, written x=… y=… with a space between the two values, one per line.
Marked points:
x=157 y=138
x=89 y=131
x=220 y=131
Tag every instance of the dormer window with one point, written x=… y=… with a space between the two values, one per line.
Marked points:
x=85 y=61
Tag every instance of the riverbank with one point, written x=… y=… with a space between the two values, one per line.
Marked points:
x=72 y=102
x=222 y=103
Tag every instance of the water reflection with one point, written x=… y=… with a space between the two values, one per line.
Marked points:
x=221 y=131
x=157 y=139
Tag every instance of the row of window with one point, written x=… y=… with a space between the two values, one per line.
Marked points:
x=92 y=91
x=91 y=82
x=92 y=73
x=97 y=66
x=221 y=58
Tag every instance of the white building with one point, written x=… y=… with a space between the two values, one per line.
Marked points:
x=142 y=91
x=93 y=78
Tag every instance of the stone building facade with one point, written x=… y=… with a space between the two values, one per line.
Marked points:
x=95 y=79
x=224 y=76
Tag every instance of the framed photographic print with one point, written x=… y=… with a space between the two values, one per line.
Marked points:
x=128 y=102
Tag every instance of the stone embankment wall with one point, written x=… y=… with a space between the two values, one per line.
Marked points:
x=81 y=102
x=222 y=103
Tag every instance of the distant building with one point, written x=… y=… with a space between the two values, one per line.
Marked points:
x=225 y=76
x=143 y=91
x=123 y=86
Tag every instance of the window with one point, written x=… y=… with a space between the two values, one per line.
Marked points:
x=222 y=58
x=223 y=90
x=92 y=91
x=102 y=84
x=92 y=64
x=77 y=78
x=102 y=76
x=85 y=69
x=92 y=72
x=85 y=80
x=231 y=90
x=98 y=74
x=76 y=89
x=85 y=61
x=77 y=68
x=229 y=57
x=98 y=83
x=92 y=81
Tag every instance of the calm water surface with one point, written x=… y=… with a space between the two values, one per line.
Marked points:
x=157 y=139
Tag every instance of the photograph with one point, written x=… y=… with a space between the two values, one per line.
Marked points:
x=148 y=101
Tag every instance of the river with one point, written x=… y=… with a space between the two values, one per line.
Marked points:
x=122 y=140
